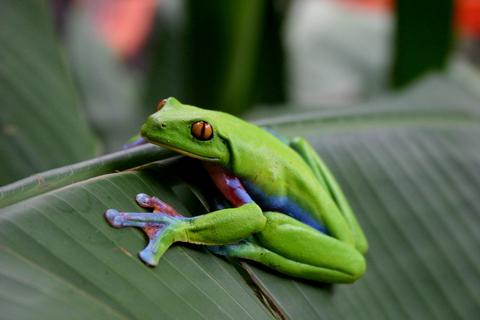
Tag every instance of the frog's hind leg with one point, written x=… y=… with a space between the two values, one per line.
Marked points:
x=326 y=178
x=298 y=250
x=163 y=229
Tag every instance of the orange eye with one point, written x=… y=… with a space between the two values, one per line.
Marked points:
x=161 y=103
x=202 y=130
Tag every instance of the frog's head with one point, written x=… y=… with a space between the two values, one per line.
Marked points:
x=189 y=130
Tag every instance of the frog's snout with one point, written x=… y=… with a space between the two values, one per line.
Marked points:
x=151 y=125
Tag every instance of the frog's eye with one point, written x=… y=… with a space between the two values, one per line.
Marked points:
x=161 y=103
x=202 y=130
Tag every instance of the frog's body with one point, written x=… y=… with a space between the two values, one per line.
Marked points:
x=283 y=194
x=285 y=184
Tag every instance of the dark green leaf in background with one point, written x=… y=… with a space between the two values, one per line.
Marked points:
x=423 y=41
x=227 y=55
x=222 y=54
x=408 y=164
x=221 y=48
x=165 y=74
x=41 y=125
x=270 y=71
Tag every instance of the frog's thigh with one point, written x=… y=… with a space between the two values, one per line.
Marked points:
x=302 y=251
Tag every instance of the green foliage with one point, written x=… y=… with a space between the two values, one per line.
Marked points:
x=423 y=38
x=231 y=55
x=41 y=124
x=400 y=162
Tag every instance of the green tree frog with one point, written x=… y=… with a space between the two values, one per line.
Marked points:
x=287 y=210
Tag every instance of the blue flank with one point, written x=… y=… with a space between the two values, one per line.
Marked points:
x=277 y=135
x=282 y=205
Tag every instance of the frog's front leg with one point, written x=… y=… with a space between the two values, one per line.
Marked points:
x=295 y=249
x=215 y=228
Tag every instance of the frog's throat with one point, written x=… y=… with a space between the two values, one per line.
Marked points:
x=186 y=153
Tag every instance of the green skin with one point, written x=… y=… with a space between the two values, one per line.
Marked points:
x=274 y=239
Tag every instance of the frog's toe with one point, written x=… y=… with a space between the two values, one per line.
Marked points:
x=114 y=217
x=158 y=244
x=158 y=206
x=143 y=200
x=148 y=257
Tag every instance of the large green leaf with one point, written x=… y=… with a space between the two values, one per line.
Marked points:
x=41 y=124
x=408 y=164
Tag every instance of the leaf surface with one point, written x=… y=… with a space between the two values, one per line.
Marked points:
x=408 y=164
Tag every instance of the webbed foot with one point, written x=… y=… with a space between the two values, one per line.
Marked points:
x=163 y=226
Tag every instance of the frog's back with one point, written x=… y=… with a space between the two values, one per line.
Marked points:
x=277 y=178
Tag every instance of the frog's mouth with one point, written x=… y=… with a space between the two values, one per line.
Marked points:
x=185 y=153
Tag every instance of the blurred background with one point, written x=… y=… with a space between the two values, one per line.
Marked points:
x=255 y=59
x=233 y=55
x=387 y=92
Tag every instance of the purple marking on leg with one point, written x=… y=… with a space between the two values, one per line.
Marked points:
x=138 y=142
x=230 y=186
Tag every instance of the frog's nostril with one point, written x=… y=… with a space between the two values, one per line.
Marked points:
x=163 y=125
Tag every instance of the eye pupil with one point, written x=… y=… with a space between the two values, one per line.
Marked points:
x=161 y=103
x=202 y=130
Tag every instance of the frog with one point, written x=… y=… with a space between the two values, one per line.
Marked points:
x=286 y=210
